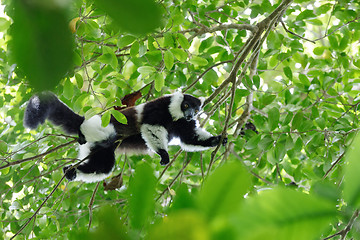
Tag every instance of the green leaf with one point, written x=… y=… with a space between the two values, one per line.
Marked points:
x=306 y=14
x=134 y=50
x=119 y=116
x=344 y=42
x=256 y=81
x=297 y=121
x=169 y=40
x=134 y=16
x=42 y=49
x=105 y=119
x=184 y=43
x=283 y=214
x=4 y=24
x=125 y=41
x=3 y=147
x=109 y=225
x=224 y=190
x=211 y=76
x=68 y=89
x=109 y=58
x=146 y=70
x=356 y=63
x=183 y=199
x=199 y=61
x=267 y=99
x=273 y=118
x=288 y=72
x=304 y=80
x=352 y=176
x=159 y=82
x=179 y=54
x=333 y=42
x=183 y=225
x=79 y=80
x=319 y=51
x=141 y=200
x=168 y=60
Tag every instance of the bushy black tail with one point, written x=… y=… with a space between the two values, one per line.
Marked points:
x=46 y=105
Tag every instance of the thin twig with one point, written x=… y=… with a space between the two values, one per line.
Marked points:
x=39 y=208
x=91 y=203
x=348 y=227
x=333 y=165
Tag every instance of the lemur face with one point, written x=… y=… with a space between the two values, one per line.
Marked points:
x=190 y=108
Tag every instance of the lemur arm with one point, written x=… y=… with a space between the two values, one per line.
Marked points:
x=194 y=138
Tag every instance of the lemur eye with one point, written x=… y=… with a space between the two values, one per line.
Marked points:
x=197 y=110
x=186 y=106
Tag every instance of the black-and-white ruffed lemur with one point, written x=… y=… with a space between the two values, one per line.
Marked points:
x=150 y=126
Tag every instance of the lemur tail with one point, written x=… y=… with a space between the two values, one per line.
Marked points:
x=46 y=105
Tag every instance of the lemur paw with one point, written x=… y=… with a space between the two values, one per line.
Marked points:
x=81 y=140
x=225 y=140
x=216 y=141
x=70 y=173
x=164 y=157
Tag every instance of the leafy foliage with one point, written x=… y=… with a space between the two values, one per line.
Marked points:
x=288 y=68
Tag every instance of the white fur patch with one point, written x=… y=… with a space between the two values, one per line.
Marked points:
x=202 y=134
x=84 y=150
x=35 y=101
x=139 y=112
x=193 y=148
x=202 y=100
x=90 y=177
x=155 y=136
x=94 y=132
x=175 y=106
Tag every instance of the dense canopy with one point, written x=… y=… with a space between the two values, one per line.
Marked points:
x=281 y=80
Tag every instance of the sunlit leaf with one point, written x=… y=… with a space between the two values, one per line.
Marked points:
x=159 y=82
x=105 y=119
x=281 y=214
x=119 y=116
x=168 y=60
x=184 y=225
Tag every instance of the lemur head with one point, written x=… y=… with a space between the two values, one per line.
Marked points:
x=190 y=106
x=184 y=106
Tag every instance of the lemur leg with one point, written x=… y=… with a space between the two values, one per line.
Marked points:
x=98 y=164
x=156 y=138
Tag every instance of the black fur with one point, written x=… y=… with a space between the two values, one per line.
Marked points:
x=46 y=105
x=100 y=160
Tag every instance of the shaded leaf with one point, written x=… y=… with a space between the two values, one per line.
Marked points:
x=41 y=31
x=134 y=16
x=141 y=200
x=352 y=176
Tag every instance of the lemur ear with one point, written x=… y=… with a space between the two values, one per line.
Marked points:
x=202 y=100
